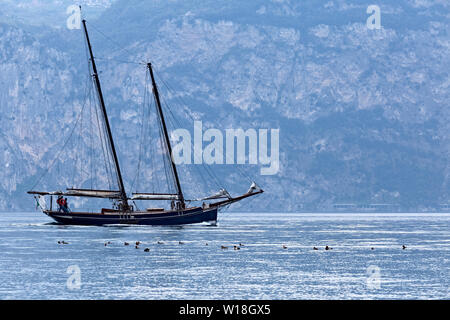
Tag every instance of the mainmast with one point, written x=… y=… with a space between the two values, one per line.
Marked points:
x=166 y=135
x=123 y=194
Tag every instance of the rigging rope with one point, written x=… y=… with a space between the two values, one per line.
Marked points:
x=112 y=41
x=120 y=61
x=153 y=153
x=142 y=136
x=107 y=163
x=178 y=123
x=60 y=151
x=168 y=169
x=184 y=104
x=174 y=122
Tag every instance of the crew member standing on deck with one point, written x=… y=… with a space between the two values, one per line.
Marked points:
x=65 y=206
x=59 y=201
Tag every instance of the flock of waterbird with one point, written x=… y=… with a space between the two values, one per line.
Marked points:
x=235 y=247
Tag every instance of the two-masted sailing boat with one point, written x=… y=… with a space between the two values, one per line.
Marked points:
x=123 y=211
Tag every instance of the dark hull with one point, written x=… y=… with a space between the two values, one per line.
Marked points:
x=188 y=216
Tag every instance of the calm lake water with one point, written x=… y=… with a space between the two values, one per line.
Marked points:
x=34 y=266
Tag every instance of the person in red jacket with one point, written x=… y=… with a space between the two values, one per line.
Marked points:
x=59 y=201
x=64 y=205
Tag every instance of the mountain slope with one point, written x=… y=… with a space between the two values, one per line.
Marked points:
x=363 y=114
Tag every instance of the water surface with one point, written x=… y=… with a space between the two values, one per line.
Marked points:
x=34 y=266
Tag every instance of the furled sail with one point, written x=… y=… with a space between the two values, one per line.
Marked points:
x=93 y=193
x=46 y=193
x=155 y=196
x=218 y=195
x=107 y=194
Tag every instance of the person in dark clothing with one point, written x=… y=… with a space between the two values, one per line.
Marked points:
x=59 y=201
x=65 y=206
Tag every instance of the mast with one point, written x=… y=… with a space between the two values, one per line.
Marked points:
x=166 y=135
x=123 y=194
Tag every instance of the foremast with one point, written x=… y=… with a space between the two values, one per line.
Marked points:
x=123 y=196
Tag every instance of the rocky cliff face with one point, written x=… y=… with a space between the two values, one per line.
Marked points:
x=363 y=114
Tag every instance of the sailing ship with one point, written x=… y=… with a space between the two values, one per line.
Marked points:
x=123 y=210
